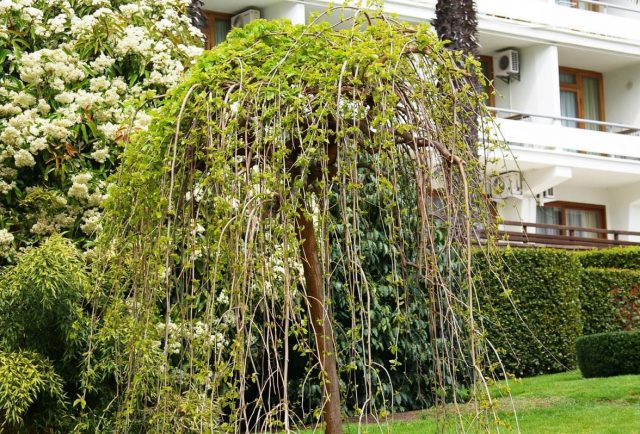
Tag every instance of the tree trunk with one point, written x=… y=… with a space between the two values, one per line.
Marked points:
x=321 y=322
x=456 y=22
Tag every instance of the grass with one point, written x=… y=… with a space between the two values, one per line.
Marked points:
x=551 y=404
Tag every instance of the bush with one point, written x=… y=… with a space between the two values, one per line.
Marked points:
x=610 y=300
x=627 y=258
x=73 y=73
x=26 y=376
x=43 y=330
x=535 y=317
x=609 y=354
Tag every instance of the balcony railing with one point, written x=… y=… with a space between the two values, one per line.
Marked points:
x=597 y=6
x=527 y=234
x=611 y=127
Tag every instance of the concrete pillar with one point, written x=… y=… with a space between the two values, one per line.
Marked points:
x=538 y=90
x=295 y=12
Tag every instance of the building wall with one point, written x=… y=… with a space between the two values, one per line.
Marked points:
x=620 y=12
x=293 y=11
x=609 y=43
x=539 y=71
x=622 y=95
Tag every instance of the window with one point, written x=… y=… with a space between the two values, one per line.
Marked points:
x=579 y=4
x=218 y=25
x=486 y=63
x=571 y=214
x=581 y=97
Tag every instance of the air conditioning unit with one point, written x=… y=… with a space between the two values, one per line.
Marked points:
x=504 y=185
x=506 y=63
x=548 y=194
x=244 y=18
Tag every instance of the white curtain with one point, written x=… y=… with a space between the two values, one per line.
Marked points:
x=584 y=219
x=569 y=107
x=591 y=101
x=550 y=216
x=222 y=28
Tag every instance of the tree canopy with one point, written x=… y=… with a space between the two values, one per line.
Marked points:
x=220 y=235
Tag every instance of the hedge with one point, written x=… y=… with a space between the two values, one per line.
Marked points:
x=610 y=299
x=536 y=333
x=615 y=257
x=609 y=354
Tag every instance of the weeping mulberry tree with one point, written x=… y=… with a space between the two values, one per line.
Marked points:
x=233 y=213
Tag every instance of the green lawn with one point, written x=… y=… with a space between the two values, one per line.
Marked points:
x=559 y=403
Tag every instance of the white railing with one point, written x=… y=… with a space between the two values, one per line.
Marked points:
x=537 y=135
x=544 y=16
x=611 y=127
x=603 y=7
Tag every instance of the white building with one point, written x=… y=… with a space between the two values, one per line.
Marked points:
x=571 y=116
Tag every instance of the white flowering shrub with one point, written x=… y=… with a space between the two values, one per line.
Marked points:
x=76 y=75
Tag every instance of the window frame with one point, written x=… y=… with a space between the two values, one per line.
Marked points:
x=209 y=31
x=578 y=89
x=564 y=205
x=489 y=62
x=590 y=7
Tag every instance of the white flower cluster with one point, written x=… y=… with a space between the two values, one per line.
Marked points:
x=74 y=83
x=7 y=251
x=5 y=237
x=193 y=331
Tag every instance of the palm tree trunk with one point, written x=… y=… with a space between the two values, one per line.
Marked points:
x=456 y=22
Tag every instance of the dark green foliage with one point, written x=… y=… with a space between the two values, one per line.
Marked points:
x=616 y=257
x=400 y=341
x=535 y=317
x=609 y=354
x=610 y=299
x=195 y=12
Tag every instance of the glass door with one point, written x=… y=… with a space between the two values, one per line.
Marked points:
x=581 y=97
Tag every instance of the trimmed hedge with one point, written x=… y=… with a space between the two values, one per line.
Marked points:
x=610 y=300
x=615 y=257
x=536 y=333
x=609 y=354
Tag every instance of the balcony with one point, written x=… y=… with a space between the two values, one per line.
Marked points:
x=540 y=139
x=561 y=165
x=613 y=27
x=611 y=7
x=522 y=234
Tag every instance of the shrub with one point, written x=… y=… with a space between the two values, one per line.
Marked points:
x=610 y=300
x=609 y=354
x=25 y=377
x=73 y=72
x=42 y=331
x=535 y=317
x=616 y=257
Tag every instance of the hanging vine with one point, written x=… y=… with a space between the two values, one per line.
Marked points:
x=234 y=214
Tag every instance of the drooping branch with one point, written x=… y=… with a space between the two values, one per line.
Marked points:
x=297 y=145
